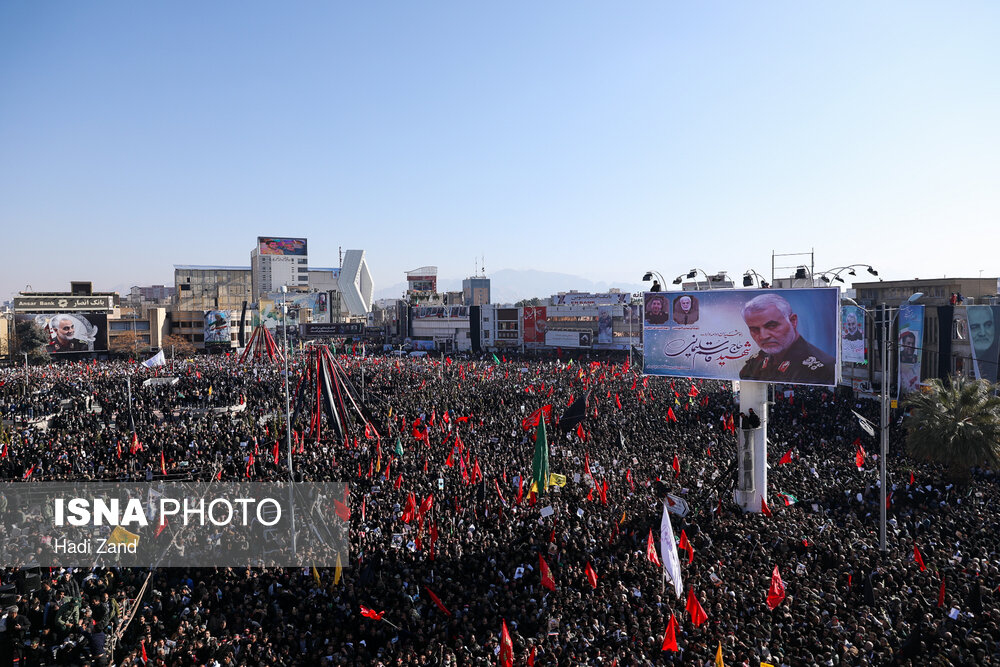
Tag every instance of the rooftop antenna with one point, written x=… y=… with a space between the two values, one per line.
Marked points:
x=340 y=255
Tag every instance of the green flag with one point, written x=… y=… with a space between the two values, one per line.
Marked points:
x=399 y=446
x=495 y=358
x=540 y=464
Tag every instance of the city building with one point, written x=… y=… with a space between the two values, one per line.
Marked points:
x=152 y=296
x=476 y=291
x=946 y=347
x=277 y=261
x=201 y=288
x=355 y=284
x=421 y=286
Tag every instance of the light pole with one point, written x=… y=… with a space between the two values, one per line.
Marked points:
x=649 y=276
x=887 y=325
x=748 y=278
x=288 y=418
x=692 y=274
x=836 y=271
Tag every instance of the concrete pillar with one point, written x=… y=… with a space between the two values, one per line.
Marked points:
x=751 y=483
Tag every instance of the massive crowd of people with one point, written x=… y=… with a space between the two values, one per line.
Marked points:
x=477 y=546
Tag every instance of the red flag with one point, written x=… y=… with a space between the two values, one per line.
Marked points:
x=520 y=489
x=371 y=613
x=450 y=462
x=941 y=593
x=30 y=470
x=343 y=511
x=411 y=508
x=117 y=443
x=917 y=557
x=437 y=602
x=163 y=525
x=591 y=575
x=506 y=647
x=163 y=464
x=651 y=551
x=580 y=432
x=693 y=391
x=218 y=475
x=276 y=454
x=911 y=477
x=686 y=545
x=676 y=466
x=693 y=607
x=787 y=458
x=859 y=455
x=497 y=484
x=670 y=636
x=426 y=503
x=618 y=402
x=249 y=464
x=670 y=415
x=628 y=478
x=547 y=579
x=531 y=658
x=776 y=592
x=399 y=481
x=142 y=645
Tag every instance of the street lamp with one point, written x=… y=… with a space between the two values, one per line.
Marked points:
x=692 y=274
x=657 y=285
x=884 y=398
x=836 y=271
x=749 y=276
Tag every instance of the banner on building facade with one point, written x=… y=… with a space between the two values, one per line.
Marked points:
x=852 y=334
x=910 y=346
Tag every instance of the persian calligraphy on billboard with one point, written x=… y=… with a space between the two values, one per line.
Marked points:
x=788 y=336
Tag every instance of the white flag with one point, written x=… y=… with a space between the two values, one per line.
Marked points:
x=668 y=552
x=865 y=424
x=156 y=360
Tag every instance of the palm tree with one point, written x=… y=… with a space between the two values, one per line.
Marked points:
x=956 y=424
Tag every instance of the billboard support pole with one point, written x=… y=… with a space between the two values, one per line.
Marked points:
x=754 y=395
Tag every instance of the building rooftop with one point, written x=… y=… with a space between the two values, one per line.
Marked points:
x=209 y=267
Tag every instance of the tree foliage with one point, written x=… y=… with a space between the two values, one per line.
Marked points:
x=31 y=339
x=128 y=344
x=956 y=424
x=534 y=301
x=182 y=347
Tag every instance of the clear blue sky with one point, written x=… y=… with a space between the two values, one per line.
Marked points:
x=594 y=138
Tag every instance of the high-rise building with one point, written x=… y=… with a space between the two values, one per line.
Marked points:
x=476 y=291
x=277 y=261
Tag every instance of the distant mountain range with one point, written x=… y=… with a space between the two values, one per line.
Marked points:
x=510 y=285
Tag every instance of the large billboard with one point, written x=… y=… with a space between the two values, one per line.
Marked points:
x=569 y=338
x=270 y=245
x=984 y=323
x=334 y=329
x=535 y=321
x=217 y=331
x=852 y=334
x=605 y=319
x=911 y=343
x=72 y=332
x=784 y=335
x=590 y=299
